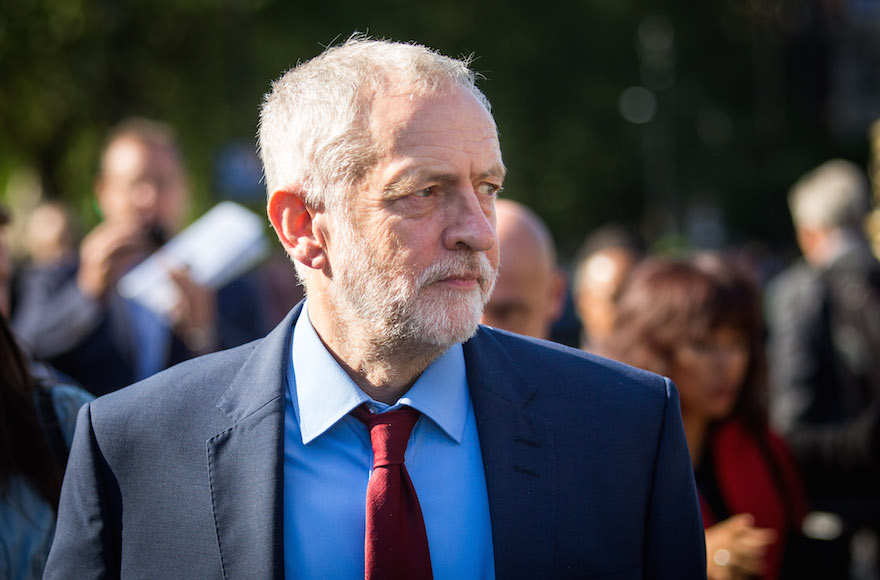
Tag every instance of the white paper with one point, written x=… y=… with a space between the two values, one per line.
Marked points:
x=217 y=248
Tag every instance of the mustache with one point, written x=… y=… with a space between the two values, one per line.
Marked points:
x=463 y=264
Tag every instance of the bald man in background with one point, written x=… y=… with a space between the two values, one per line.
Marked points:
x=530 y=292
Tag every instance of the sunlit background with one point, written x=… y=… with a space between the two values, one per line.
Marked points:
x=687 y=119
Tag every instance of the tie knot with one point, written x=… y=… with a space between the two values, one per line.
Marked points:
x=389 y=433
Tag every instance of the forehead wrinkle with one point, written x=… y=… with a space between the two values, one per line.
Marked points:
x=407 y=135
x=487 y=162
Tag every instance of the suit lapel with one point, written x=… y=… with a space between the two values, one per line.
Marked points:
x=517 y=450
x=245 y=462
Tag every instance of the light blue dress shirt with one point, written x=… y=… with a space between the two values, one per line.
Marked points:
x=328 y=458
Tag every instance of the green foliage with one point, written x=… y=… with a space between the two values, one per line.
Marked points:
x=555 y=71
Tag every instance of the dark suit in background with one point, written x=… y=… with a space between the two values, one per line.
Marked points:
x=824 y=315
x=824 y=357
x=94 y=341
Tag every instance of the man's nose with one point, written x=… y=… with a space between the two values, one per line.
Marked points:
x=471 y=223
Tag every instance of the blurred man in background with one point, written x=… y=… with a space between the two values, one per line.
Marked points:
x=824 y=315
x=603 y=261
x=71 y=314
x=50 y=235
x=529 y=294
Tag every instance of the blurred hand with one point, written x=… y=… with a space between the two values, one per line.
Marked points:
x=107 y=252
x=735 y=548
x=194 y=317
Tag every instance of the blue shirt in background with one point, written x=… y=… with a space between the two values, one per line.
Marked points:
x=328 y=458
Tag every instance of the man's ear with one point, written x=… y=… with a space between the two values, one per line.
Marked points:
x=294 y=223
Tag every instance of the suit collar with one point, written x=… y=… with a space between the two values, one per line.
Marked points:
x=261 y=378
x=518 y=458
x=491 y=368
x=323 y=393
x=245 y=461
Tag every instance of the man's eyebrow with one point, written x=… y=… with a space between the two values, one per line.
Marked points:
x=498 y=172
x=409 y=180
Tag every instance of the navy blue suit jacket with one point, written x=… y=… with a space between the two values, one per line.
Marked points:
x=587 y=470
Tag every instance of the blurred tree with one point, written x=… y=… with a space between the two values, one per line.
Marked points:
x=738 y=87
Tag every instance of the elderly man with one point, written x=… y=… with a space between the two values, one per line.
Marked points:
x=378 y=432
x=70 y=313
x=530 y=291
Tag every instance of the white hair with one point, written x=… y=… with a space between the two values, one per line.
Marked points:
x=314 y=123
x=835 y=195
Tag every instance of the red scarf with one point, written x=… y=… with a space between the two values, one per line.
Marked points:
x=749 y=483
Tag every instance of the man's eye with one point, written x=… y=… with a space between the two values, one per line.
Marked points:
x=489 y=189
x=427 y=192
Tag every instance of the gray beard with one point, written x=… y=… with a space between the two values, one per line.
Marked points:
x=393 y=311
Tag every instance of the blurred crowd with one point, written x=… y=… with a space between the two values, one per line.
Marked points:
x=69 y=335
x=779 y=380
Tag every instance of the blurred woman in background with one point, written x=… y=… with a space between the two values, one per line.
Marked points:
x=699 y=322
x=37 y=421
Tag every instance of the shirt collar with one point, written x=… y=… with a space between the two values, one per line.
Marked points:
x=323 y=393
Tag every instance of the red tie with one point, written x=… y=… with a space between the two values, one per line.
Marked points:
x=396 y=545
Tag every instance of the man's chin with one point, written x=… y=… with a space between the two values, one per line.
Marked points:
x=451 y=320
x=440 y=339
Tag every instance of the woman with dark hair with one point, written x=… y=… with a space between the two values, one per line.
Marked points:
x=36 y=427
x=699 y=322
